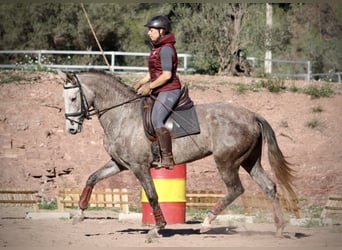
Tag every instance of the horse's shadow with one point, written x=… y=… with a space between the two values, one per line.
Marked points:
x=170 y=232
x=211 y=233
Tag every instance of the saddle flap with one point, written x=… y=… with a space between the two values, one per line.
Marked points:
x=183 y=123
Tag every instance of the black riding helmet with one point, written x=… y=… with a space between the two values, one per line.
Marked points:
x=159 y=22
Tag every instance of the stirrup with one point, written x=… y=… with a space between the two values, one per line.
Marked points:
x=156 y=164
x=167 y=162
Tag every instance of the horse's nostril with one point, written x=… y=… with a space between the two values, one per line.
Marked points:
x=72 y=131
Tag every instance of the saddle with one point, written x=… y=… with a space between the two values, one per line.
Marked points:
x=181 y=122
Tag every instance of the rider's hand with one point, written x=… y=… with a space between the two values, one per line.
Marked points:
x=137 y=86
x=144 y=90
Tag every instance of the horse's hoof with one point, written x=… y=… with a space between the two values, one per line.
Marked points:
x=77 y=219
x=152 y=235
x=279 y=234
x=161 y=225
x=204 y=229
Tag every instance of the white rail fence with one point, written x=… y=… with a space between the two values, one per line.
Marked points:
x=304 y=69
x=46 y=59
x=39 y=59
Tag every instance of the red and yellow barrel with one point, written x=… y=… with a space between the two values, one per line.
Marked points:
x=171 y=189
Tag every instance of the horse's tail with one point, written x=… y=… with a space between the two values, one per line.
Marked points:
x=281 y=168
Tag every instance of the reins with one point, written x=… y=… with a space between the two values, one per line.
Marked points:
x=99 y=113
x=85 y=111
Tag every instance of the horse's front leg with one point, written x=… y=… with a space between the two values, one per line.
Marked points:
x=109 y=169
x=145 y=178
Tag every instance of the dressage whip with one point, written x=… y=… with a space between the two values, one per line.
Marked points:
x=94 y=34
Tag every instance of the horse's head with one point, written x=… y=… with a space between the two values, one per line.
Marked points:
x=75 y=103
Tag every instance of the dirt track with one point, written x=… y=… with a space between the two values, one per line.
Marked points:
x=103 y=229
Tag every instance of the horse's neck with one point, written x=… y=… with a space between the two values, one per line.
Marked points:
x=108 y=96
x=104 y=92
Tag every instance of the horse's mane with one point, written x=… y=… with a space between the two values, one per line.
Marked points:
x=115 y=81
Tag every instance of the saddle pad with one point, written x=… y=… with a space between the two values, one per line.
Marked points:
x=183 y=123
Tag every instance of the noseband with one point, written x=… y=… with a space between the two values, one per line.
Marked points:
x=84 y=112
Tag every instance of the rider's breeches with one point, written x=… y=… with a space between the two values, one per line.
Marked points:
x=162 y=107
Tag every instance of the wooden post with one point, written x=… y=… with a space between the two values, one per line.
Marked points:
x=117 y=197
x=67 y=197
x=124 y=199
x=100 y=198
x=60 y=203
x=109 y=197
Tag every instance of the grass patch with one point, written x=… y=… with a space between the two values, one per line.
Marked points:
x=294 y=89
x=318 y=91
x=312 y=223
x=7 y=76
x=241 y=88
x=314 y=123
x=197 y=213
x=274 y=85
x=317 y=109
x=236 y=209
x=284 y=124
x=314 y=211
x=135 y=209
x=48 y=205
x=199 y=87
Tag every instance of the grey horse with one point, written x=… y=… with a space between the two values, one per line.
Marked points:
x=232 y=134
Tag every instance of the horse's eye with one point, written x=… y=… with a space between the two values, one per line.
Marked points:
x=73 y=99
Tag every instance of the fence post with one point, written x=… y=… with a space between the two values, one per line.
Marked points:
x=124 y=200
x=117 y=197
x=112 y=61
x=100 y=198
x=60 y=204
x=39 y=58
x=308 y=77
x=185 y=63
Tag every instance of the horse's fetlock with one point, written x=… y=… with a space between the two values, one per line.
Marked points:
x=218 y=208
x=271 y=192
x=211 y=216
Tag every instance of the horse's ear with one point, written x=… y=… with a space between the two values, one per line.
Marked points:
x=62 y=74
x=70 y=78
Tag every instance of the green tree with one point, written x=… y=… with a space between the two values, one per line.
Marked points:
x=212 y=32
x=317 y=35
x=216 y=33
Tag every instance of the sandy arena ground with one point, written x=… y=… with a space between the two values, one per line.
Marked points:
x=104 y=229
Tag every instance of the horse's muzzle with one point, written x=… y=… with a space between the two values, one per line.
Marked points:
x=73 y=131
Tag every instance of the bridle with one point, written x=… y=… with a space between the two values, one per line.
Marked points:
x=85 y=112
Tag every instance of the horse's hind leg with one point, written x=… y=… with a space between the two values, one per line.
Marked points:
x=230 y=176
x=259 y=175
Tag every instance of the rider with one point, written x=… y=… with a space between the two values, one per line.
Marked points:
x=162 y=82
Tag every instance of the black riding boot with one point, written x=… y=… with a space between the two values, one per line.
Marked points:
x=165 y=145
